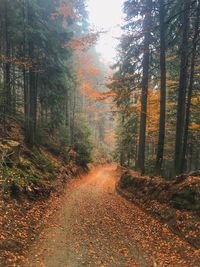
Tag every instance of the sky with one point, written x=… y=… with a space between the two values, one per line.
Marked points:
x=106 y=15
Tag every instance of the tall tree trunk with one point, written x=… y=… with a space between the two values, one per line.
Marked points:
x=182 y=88
x=122 y=157
x=72 y=129
x=190 y=89
x=161 y=138
x=14 y=94
x=145 y=79
x=32 y=97
x=7 y=80
x=32 y=107
x=25 y=78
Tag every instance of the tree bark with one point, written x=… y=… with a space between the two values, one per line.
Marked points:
x=25 y=78
x=161 y=138
x=182 y=89
x=32 y=96
x=190 y=89
x=7 y=80
x=145 y=79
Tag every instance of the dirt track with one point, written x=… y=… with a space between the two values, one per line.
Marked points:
x=97 y=227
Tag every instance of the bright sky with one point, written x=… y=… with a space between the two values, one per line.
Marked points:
x=106 y=15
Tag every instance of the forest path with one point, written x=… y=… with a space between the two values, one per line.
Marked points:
x=97 y=227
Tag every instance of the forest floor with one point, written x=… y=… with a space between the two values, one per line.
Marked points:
x=32 y=183
x=95 y=226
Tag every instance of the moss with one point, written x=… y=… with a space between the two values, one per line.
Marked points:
x=44 y=164
x=30 y=167
x=17 y=177
x=24 y=164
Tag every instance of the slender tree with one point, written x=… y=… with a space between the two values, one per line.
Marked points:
x=145 y=81
x=7 y=80
x=161 y=138
x=190 y=89
x=182 y=87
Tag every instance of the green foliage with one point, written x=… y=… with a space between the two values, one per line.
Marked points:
x=31 y=168
x=24 y=164
x=126 y=139
x=44 y=164
x=82 y=143
x=128 y=80
x=18 y=177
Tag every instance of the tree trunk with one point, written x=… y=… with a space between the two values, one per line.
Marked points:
x=7 y=80
x=25 y=78
x=190 y=89
x=32 y=96
x=145 y=79
x=161 y=138
x=72 y=130
x=32 y=107
x=182 y=89
x=14 y=95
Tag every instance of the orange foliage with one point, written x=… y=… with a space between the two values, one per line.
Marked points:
x=87 y=74
x=85 y=42
x=26 y=62
x=153 y=113
x=87 y=89
x=65 y=9
x=195 y=126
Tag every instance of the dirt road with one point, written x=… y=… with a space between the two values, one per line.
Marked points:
x=97 y=227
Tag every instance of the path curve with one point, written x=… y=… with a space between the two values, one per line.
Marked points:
x=97 y=227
